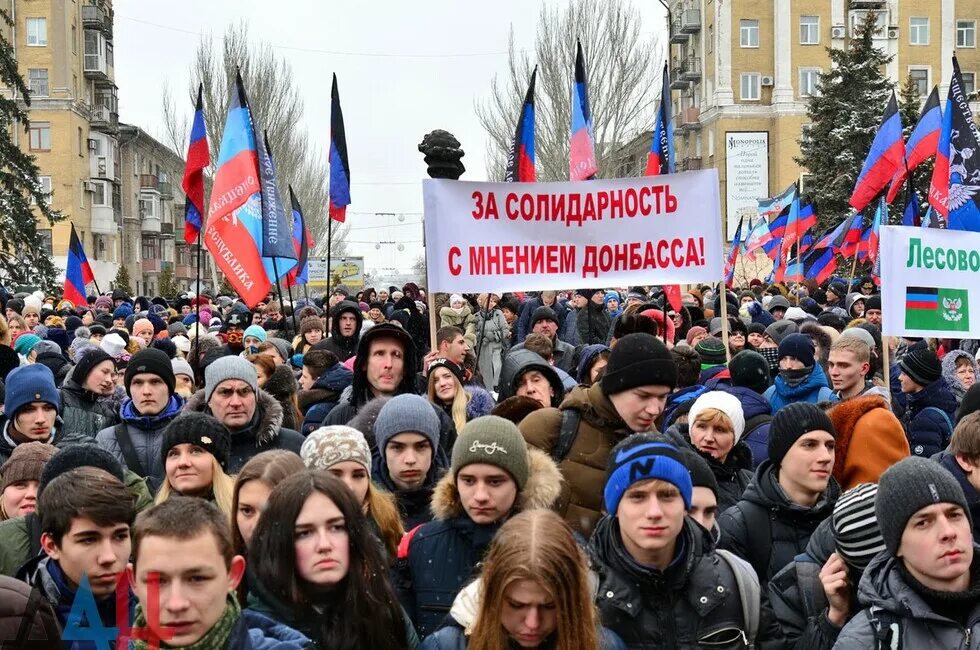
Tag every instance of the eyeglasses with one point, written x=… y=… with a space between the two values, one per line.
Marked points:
x=226 y=393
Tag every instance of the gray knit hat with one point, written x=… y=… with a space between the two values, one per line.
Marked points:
x=908 y=486
x=492 y=440
x=406 y=414
x=328 y=446
x=781 y=329
x=225 y=368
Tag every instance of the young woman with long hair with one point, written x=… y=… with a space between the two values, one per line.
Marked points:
x=319 y=570
x=533 y=592
x=253 y=485
x=446 y=390
x=343 y=451
x=195 y=451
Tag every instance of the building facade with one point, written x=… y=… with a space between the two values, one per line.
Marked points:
x=742 y=72
x=64 y=50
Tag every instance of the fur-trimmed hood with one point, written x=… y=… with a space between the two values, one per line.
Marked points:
x=281 y=383
x=480 y=403
x=265 y=423
x=542 y=489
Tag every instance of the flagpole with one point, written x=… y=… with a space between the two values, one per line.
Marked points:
x=329 y=238
x=292 y=306
x=275 y=271
x=197 y=309
x=306 y=293
x=723 y=299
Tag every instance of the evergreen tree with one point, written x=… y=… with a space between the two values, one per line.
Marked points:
x=24 y=258
x=225 y=288
x=122 y=280
x=910 y=103
x=844 y=117
x=167 y=282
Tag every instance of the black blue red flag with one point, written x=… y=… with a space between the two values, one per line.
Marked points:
x=78 y=272
x=922 y=142
x=520 y=164
x=339 y=165
x=886 y=157
x=661 y=159
x=581 y=161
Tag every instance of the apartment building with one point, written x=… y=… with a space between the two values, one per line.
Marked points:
x=65 y=54
x=742 y=72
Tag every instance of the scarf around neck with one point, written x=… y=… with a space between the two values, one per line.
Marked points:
x=216 y=637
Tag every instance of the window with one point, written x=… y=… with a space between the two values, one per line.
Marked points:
x=101 y=196
x=37 y=32
x=809 y=30
x=969 y=83
x=809 y=77
x=82 y=149
x=749 y=33
x=149 y=249
x=40 y=136
x=148 y=208
x=920 y=77
x=751 y=82
x=74 y=87
x=74 y=39
x=918 y=30
x=44 y=184
x=37 y=79
x=966 y=33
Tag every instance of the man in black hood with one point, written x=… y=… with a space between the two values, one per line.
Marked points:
x=345 y=330
x=385 y=365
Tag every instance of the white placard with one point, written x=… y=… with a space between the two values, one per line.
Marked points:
x=601 y=233
x=746 y=175
x=929 y=282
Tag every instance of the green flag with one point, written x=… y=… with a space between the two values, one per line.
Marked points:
x=934 y=308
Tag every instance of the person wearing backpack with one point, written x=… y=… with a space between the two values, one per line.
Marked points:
x=790 y=494
x=152 y=404
x=815 y=595
x=923 y=591
x=750 y=379
x=580 y=433
x=932 y=408
x=660 y=583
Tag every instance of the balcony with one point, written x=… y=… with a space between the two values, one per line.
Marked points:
x=688 y=119
x=95 y=17
x=677 y=71
x=691 y=21
x=103 y=220
x=166 y=189
x=691 y=70
x=691 y=164
x=867 y=4
x=96 y=68
x=151 y=266
x=166 y=230
x=149 y=182
x=101 y=118
x=678 y=37
x=184 y=271
x=150 y=225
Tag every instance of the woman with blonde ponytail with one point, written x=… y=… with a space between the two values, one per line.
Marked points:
x=533 y=592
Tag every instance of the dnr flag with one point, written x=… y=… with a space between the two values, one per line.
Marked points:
x=930 y=308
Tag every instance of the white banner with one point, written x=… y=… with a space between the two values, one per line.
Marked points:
x=602 y=233
x=929 y=282
x=746 y=176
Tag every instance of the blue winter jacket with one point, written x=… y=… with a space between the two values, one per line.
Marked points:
x=452 y=637
x=674 y=400
x=929 y=419
x=754 y=405
x=333 y=381
x=814 y=389
x=255 y=631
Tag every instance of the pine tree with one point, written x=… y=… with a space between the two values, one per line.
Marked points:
x=910 y=107
x=844 y=117
x=122 y=280
x=167 y=282
x=23 y=254
x=225 y=288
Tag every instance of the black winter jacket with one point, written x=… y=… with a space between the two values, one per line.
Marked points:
x=695 y=603
x=929 y=419
x=765 y=505
x=798 y=598
x=733 y=476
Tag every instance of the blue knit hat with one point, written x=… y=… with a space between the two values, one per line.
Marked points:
x=257 y=331
x=122 y=311
x=642 y=457
x=31 y=383
x=25 y=343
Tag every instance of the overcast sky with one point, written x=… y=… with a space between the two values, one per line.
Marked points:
x=404 y=69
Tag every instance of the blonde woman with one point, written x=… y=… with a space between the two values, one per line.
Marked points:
x=533 y=592
x=446 y=390
x=195 y=450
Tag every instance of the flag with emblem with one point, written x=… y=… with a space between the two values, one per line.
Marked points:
x=936 y=308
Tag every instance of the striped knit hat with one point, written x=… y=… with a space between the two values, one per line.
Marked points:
x=855 y=526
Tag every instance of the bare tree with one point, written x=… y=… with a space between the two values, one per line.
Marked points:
x=623 y=70
x=276 y=105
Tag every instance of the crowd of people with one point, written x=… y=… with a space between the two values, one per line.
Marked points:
x=587 y=469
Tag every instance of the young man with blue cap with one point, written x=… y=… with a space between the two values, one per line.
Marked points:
x=660 y=581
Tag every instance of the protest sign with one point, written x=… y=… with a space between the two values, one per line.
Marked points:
x=929 y=282
x=535 y=236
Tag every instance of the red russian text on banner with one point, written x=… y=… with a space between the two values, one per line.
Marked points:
x=523 y=236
